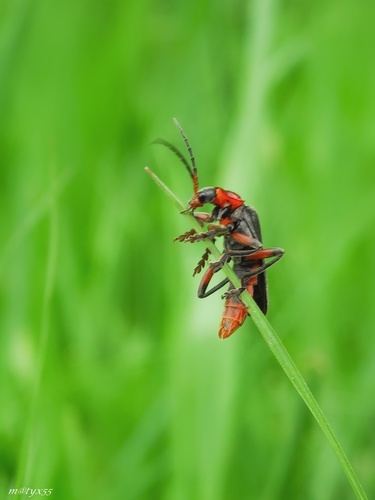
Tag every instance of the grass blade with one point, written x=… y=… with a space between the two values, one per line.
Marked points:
x=280 y=353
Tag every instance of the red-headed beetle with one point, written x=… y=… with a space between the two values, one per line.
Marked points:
x=239 y=225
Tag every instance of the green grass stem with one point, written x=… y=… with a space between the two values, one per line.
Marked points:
x=30 y=444
x=280 y=353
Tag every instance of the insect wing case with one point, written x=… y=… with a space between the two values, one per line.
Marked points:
x=247 y=221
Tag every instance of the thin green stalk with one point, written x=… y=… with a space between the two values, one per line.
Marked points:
x=280 y=353
x=30 y=442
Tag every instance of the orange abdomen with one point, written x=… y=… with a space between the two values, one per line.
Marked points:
x=235 y=313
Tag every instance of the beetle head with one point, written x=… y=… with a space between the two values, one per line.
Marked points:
x=216 y=196
x=201 y=197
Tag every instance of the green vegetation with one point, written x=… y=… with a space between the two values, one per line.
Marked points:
x=113 y=381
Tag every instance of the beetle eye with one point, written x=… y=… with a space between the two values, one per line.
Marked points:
x=206 y=195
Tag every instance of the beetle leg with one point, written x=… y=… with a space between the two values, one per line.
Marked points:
x=202 y=217
x=213 y=231
x=233 y=292
x=277 y=253
x=246 y=240
x=214 y=267
x=265 y=253
x=256 y=253
x=242 y=253
x=247 y=282
x=219 y=263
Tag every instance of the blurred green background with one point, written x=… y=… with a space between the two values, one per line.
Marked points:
x=114 y=383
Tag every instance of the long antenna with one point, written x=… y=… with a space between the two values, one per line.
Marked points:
x=193 y=173
x=178 y=153
x=191 y=169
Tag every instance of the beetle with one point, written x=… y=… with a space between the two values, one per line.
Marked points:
x=239 y=225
